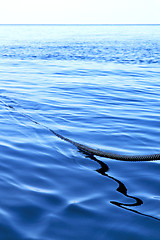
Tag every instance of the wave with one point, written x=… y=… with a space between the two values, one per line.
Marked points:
x=123 y=53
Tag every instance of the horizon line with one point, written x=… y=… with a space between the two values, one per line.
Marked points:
x=109 y=24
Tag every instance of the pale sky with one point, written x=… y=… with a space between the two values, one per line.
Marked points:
x=80 y=11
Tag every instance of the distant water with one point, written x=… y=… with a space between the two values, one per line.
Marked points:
x=100 y=86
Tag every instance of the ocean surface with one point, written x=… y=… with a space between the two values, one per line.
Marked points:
x=100 y=86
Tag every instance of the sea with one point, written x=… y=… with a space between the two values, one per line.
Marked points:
x=98 y=85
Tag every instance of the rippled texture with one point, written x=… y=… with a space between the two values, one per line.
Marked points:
x=98 y=85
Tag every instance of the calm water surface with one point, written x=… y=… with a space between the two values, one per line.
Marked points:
x=100 y=86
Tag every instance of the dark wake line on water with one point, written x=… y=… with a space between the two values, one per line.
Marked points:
x=103 y=170
x=132 y=158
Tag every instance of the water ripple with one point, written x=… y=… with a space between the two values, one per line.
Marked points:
x=98 y=90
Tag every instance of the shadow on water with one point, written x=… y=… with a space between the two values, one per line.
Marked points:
x=102 y=170
x=121 y=188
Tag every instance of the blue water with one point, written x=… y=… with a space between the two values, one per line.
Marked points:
x=99 y=86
